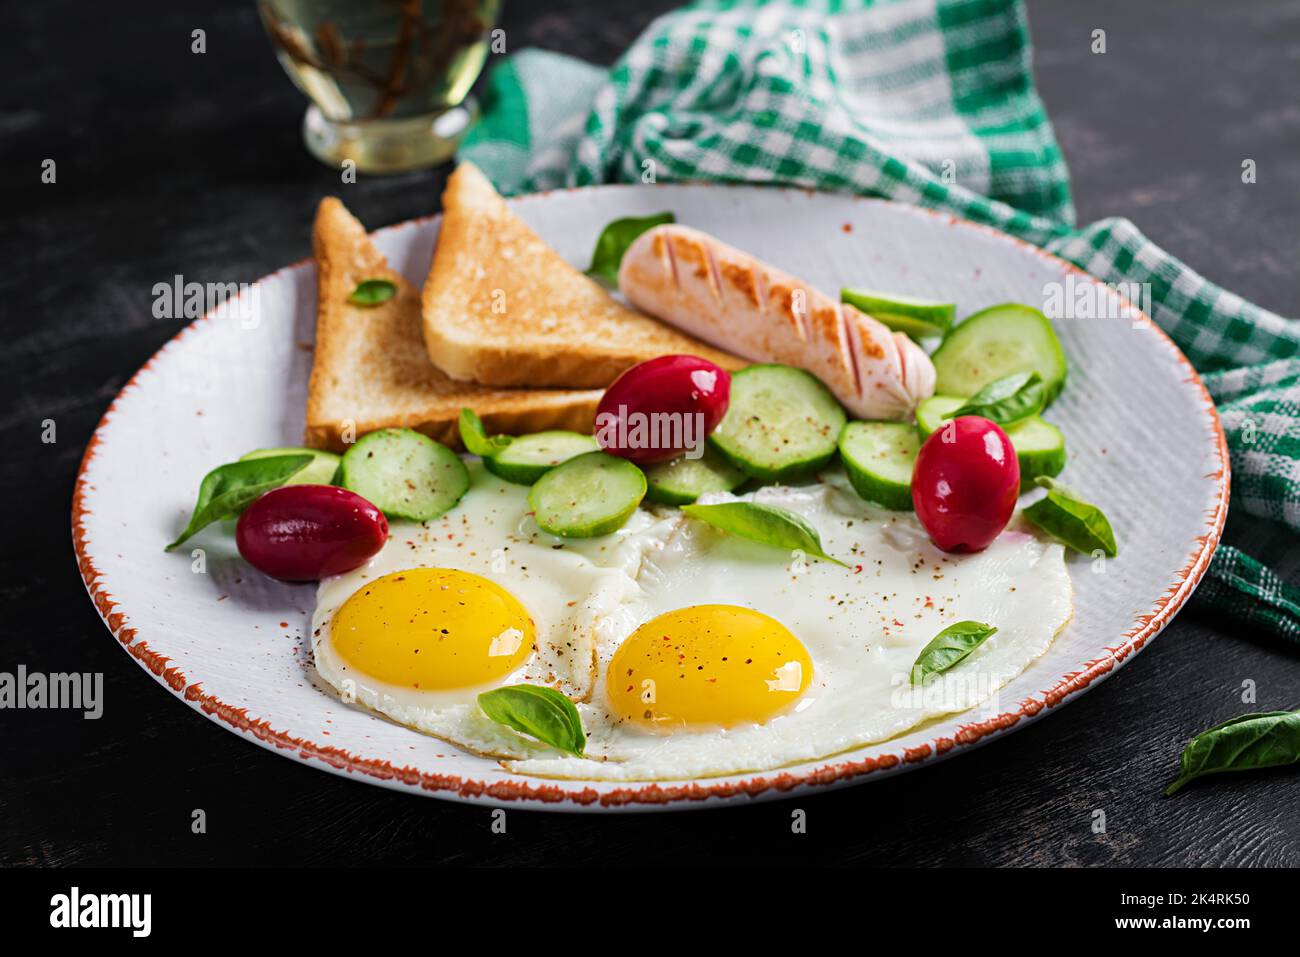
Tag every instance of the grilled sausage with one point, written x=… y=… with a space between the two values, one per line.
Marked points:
x=726 y=297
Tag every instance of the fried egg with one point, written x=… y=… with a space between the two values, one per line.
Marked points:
x=688 y=652
x=468 y=602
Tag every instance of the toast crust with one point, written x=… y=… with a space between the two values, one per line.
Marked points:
x=501 y=307
x=371 y=368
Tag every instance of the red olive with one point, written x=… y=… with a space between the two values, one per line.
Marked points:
x=304 y=532
x=660 y=408
x=965 y=484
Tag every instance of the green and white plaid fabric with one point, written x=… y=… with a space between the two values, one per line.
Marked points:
x=929 y=102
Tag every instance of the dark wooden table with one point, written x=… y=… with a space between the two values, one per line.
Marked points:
x=169 y=162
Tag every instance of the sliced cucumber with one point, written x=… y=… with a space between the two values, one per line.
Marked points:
x=529 y=457
x=878 y=457
x=323 y=470
x=405 y=474
x=932 y=413
x=522 y=459
x=996 y=342
x=782 y=423
x=592 y=494
x=1040 y=447
x=918 y=318
x=681 y=481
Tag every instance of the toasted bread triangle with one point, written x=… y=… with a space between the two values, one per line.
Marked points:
x=371 y=369
x=501 y=307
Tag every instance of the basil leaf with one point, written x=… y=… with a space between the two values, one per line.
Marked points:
x=542 y=713
x=476 y=439
x=1245 y=743
x=371 y=292
x=768 y=524
x=616 y=238
x=1065 y=516
x=228 y=489
x=1007 y=400
x=948 y=647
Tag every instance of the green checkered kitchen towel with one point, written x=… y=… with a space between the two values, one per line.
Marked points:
x=929 y=102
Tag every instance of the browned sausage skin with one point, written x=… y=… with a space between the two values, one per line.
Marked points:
x=726 y=297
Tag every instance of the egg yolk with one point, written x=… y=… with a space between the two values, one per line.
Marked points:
x=433 y=629
x=708 y=665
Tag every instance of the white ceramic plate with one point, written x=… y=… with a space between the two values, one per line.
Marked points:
x=1142 y=434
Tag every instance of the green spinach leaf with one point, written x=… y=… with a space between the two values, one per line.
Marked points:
x=476 y=439
x=1079 y=524
x=778 y=527
x=614 y=241
x=949 y=647
x=1245 y=743
x=372 y=292
x=228 y=489
x=542 y=713
x=1008 y=400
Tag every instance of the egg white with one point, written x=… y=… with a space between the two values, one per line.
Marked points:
x=573 y=591
x=863 y=626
